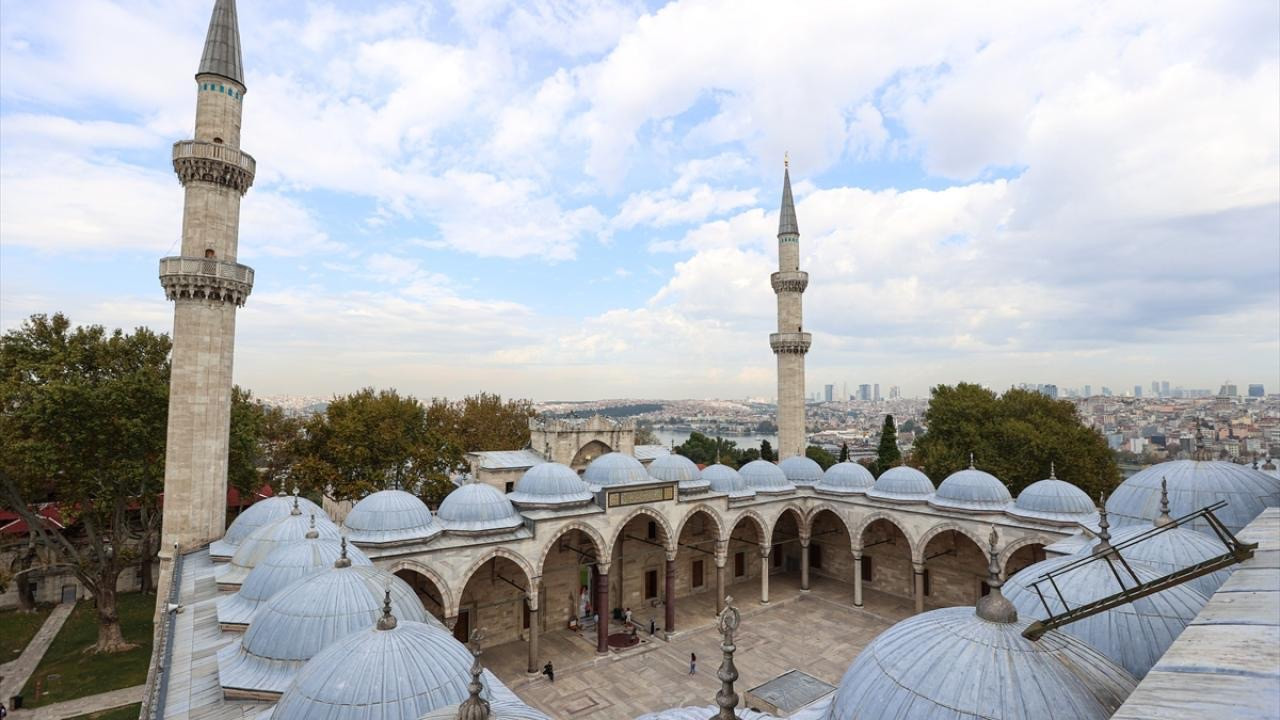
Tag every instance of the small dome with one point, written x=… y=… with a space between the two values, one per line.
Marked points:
x=724 y=479
x=1134 y=635
x=902 y=484
x=679 y=469
x=765 y=477
x=478 y=508
x=846 y=478
x=503 y=704
x=264 y=540
x=1173 y=549
x=972 y=490
x=263 y=512
x=285 y=565
x=390 y=516
x=1056 y=501
x=306 y=617
x=801 y=470
x=950 y=663
x=397 y=673
x=1193 y=485
x=615 y=469
x=550 y=485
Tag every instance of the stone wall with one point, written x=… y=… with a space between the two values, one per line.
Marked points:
x=890 y=562
x=493 y=604
x=955 y=578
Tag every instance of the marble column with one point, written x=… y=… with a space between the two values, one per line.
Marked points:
x=804 y=563
x=764 y=576
x=857 y=579
x=670 y=599
x=602 y=608
x=533 y=634
x=918 y=570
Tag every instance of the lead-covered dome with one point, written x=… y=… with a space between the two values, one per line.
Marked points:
x=390 y=516
x=284 y=566
x=478 y=508
x=255 y=516
x=615 y=468
x=1194 y=484
x=303 y=619
x=550 y=485
x=846 y=478
x=1056 y=501
x=902 y=484
x=763 y=476
x=724 y=479
x=396 y=670
x=801 y=470
x=264 y=540
x=678 y=469
x=972 y=490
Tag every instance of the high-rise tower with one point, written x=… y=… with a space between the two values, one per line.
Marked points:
x=790 y=343
x=207 y=286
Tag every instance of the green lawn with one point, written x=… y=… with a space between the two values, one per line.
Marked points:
x=128 y=712
x=82 y=673
x=17 y=629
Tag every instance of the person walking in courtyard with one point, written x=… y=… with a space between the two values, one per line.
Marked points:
x=693 y=663
x=627 y=616
x=549 y=671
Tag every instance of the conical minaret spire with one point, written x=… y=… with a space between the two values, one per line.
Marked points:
x=791 y=342
x=222 y=44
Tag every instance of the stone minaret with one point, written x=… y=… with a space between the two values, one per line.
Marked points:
x=207 y=286
x=790 y=343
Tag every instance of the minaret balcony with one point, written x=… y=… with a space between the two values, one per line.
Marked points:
x=789 y=281
x=795 y=343
x=215 y=163
x=192 y=278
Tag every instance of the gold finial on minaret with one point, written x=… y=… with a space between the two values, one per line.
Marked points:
x=786 y=159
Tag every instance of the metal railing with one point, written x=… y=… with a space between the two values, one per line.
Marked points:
x=215 y=151
x=157 y=690
x=206 y=266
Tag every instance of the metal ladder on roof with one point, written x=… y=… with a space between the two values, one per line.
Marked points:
x=1236 y=552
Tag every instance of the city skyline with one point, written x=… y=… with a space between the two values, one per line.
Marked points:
x=1021 y=194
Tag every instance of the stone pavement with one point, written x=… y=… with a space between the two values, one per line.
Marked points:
x=819 y=632
x=17 y=672
x=82 y=706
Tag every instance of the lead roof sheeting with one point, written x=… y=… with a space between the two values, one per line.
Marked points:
x=615 y=469
x=902 y=482
x=1192 y=486
x=284 y=566
x=846 y=477
x=550 y=484
x=263 y=512
x=221 y=54
x=1173 y=549
x=801 y=470
x=764 y=476
x=478 y=507
x=972 y=490
x=391 y=516
x=264 y=540
x=508 y=459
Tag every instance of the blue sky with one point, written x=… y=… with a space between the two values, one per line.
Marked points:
x=579 y=199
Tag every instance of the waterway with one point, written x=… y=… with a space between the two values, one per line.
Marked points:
x=743 y=441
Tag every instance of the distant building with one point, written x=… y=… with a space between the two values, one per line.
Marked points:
x=1164 y=388
x=895 y=392
x=864 y=392
x=1256 y=391
x=1106 y=391
x=1155 y=388
x=1229 y=390
x=876 y=392
x=1088 y=391
x=1137 y=391
x=1049 y=390
x=829 y=393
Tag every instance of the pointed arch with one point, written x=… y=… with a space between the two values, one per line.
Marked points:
x=764 y=529
x=592 y=534
x=491 y=554
x=701 y=508
x=1006 y=553
x=800 y=515
x=859 y=527
x=447 y=598
x=657 y=517
x=918 y=547
x=818 y=508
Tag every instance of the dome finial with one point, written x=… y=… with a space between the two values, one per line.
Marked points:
x=1104 y=533
x=726 y=698
x=475 y=707
x=312 y=533
x=1164 y=518
x=387 y=621
x=971 y=467
x=296 y=510
x=343 y=561
x=994 y=606
x=1053 y=471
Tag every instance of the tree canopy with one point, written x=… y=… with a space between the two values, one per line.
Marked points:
x=820 y=456
x=887 y=455
x=1014 y=436
x=766 y=451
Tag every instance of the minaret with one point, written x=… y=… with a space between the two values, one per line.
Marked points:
x=207 y=286
x=790 y=343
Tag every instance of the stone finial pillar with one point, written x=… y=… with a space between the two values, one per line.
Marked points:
x=764 y=576
x=722 y=560
x=917 y=570
x=857 y=579
x=602 y=608
x=533 y=634
x=804 y=564
x=670 y=599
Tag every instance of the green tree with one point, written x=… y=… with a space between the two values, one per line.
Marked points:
x=820 y=456
x=766 y=451
x=844 y=452
x=887 y=455
x=646 y=436
x=706 y=450
x=243 y=447
x=83 y=425
x=1014 y=436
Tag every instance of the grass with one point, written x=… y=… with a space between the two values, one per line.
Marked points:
x=17 y=629
x=84 y=673
x=128 y=712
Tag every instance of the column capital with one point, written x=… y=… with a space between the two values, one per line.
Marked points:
x=671 y=557
x=765 y=550
x=451 y=622
x=857 y=555
x=917 y=568
x=603 y=568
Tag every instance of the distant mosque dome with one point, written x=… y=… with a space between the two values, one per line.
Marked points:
x=801 y=470
x=263 y=512
x=1056 y=501
x=846 y=478
x=902 y=484
x=478 y=508
x=724 y=479
x=303 y=619
x=1194 y=484
x=678 y=469
x=390 y=516
x=763 y=476
x=615 y=468
x=550 y=485
x=285 y=565
x=264 y=540
x=972 y=490
x=395 y=670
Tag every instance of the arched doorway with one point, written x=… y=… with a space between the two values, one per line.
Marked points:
x=639 y=589
x=696 y=568
x=785 y=551
x=886 y=571
x=587 y=453
x=571 y=585
x=493 y=598
x=745 y=554
x=955 y=569
x=830 y=550
x=427 y=591
x=1023 y=557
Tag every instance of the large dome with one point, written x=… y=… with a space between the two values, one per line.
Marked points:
x=1173 y=549
x=615 y=468
x=285 y=565
x=550 y=485
x=390 y=516
x=1054 y=500
x=972 y=490
x=902 y=484
x=305 y=618
x=763 y=476
x=724 y=479
x=264 y=540
x=846 y=478
x=255 y=516
x=1192 y=485
x=678 y=469
x=1134 y=635
x=951 y=664
x=478 y=507
x=801 y=470
x=396 y=670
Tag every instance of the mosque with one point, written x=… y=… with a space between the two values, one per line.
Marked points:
x=382 y=608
